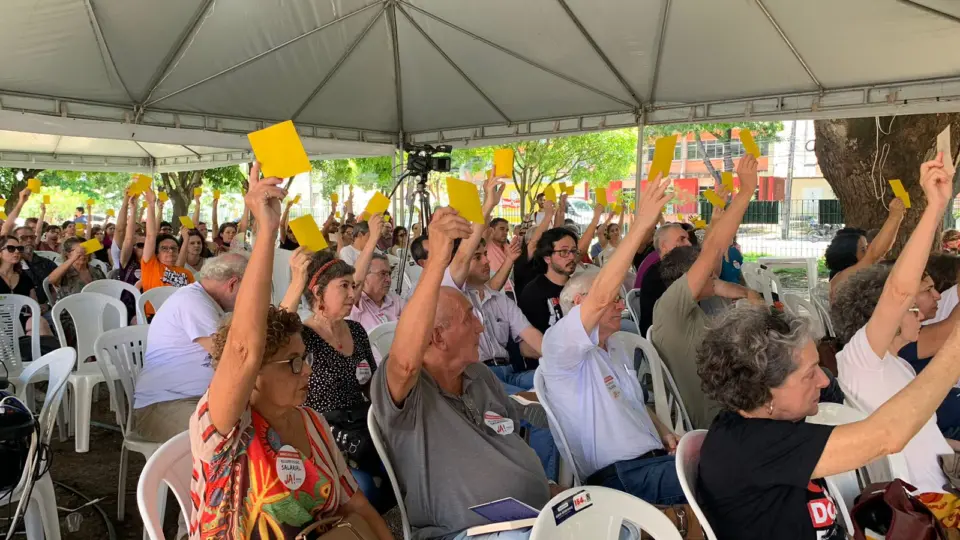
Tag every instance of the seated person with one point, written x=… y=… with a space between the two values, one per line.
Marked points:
x=440 y=410
x=376 y=303
x=596 y=399
x=668 y=237
x=944 y=270
x=678 y=320
x=37 y=268
x=14 y=280
x=75 y=272
x=252 y=420
x=761 y=465
x=849 y=251
x=873 y=322
x=160 y=251
x=176 y=367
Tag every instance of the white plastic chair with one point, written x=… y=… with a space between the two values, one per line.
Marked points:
x=395 y=272
x=11 y=305
x=801 y=307
x=171 y=465
x=51 y=255
x=155 y=297
x=751 y=275
x=570 y=473
x=609 y=509
x=89 y=312
x=123 y=349
x=413 y=272
x=824 y=313
x=666 y=397
x=40 y=516
x=377 y=436
x=50 y=291
x=113 y=288
x=381 y=337
x=632 y=300
x=281 y=274
x=688 y=463
x=104 y=267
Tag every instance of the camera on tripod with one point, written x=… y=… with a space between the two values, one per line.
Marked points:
x=421 y=159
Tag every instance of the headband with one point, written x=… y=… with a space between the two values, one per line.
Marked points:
x=313 y=280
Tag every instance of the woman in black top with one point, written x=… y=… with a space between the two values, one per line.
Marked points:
x=343 y=367
x=14 y=281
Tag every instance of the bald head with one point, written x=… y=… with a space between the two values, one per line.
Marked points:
x=451 y=306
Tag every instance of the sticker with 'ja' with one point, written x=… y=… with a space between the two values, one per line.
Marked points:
x=499 y=424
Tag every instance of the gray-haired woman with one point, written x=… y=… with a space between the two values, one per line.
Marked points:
x=762 y=466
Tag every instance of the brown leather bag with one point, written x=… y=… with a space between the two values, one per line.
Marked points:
x=889 y=509
x=350 y=527
x=684 y=520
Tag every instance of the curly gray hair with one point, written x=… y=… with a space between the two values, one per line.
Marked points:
x=677 y=263
x=747 y=352
x=855 y=300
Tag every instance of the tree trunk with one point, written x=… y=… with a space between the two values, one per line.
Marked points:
x=18 y=186
x=848 y=149
x=706 y=159
x=727 y=153
x=179 y=186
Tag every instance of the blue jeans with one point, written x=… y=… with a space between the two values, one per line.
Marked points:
x=651 y=479
x=381 y=497
x=522 y=380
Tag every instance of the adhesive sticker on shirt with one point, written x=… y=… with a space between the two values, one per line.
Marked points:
x=501 y=425
x=381 y=317
x=290 y=468
x=612 y=386
x=363 y=372
x=736 y=264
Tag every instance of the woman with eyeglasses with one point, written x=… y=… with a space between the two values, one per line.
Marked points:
x=158 y=264
x=13 y=280
x=344 y=361
x=252 y=439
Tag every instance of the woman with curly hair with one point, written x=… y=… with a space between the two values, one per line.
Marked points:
x=849 y=252
x=264 y=465
x=762 y=466
x=950 y=241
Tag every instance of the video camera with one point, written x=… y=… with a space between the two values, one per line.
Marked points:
x=421 y=159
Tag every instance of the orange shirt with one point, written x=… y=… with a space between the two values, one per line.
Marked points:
x=154 y=273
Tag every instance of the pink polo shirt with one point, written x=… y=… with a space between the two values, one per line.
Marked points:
x=370 y=315
x=497 y=257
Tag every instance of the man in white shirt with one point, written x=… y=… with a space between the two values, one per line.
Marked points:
x=592 y=389
x=361 y=235
x=176 y=367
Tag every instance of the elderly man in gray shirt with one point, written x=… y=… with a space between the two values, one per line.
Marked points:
x=451 y=430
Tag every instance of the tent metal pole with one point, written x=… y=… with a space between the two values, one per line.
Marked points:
x=392 y=21
x=640 y=124
x=105 y=49
x=789 y=44
x=517 y=55
x=663 y=37
x=177 y=50
x=930 y=10
x=455 y=66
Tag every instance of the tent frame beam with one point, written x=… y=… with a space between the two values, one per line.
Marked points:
x=104 y=48
x=398 y=81
x=343 y=58
x=516 y=55
x=455 y=66
x=656 y=65
x=786 y=40
x=251 y=59
x=930 y=10
x=603 y=56
x=177 y=50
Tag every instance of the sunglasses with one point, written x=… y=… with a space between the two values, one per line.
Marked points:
x=13 y=249
x=138 y=245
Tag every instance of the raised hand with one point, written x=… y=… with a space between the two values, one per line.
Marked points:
x=492 y=190
x=445 y=227
x=376 y=226
x=652 y=201
x=747 y=171
x=299 y=263
x=897 y=207
x=514 y=248
x=936 y=182
x=548 y=208
x=150 y=196
x=598 y=211
x=263 y=199
x=24 y=195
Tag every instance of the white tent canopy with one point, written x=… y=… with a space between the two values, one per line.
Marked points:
x=175 y=84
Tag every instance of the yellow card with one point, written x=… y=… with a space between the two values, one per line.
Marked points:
x=680 y=218
x=187 y=222
x=617 y=208
x=334 y=198
x=142 y=182
x=337 y=215
x=601 y=196
x=386 y=217
x=196 y=193
x=146 y=204
x=3 y=215
x=715 y=199
x=92 y=246
x=633 y=207
x=111 y=212
x=3 y=202
x=465 y=199
x=216 y=194
x=295 y=199
x=79 y=227
x=163 y=196
x=307 y=233
x=726 y=178
x=662 y=156
x=562 y=187
x=90 y=202
x=749 y=145
x=700 y=224
x=279 y=150
x=33 y=185
x=503 y=162
x=377 y=204
x=549 y=194
x=46 y=199
x=363 y=216
x=900 y=193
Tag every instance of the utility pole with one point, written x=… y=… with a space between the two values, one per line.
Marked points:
x=788 y=185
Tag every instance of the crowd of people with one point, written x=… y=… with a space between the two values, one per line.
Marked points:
x=495 y=313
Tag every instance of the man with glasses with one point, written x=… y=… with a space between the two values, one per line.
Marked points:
x=377 y=304
x=176 y=367
x=36 y=267
x=556 y=255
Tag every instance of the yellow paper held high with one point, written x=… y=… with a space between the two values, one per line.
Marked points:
x=141 y=183
x=617 y=208
x=562 y=187
x=503 y=162
x=46 y=199
x=33 y=185
x=662 y=156
x=92 y=246
x=337 y=215
x=700 y=224
x=90 y=202
x=377 y=204
x=111 y=212
x=549 y=194
x=196 y=193
x=726 y=178
x=715 y=199
x=601 y=195
x=216 y=194
x=3 y=214
x=187 y=222
x=465 y=199
x=295 y=199
x=307 y=233
x=79 y=227
x=279 y=150
x=386 y=218
x=900 y=192
x=334 y=198
x=749 y=145
x=163 y=196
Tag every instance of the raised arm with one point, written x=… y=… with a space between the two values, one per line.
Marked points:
x=299 y=263
x=126 y=247
x=11 y=222
x=548 y=209
x=561 y=211
x=88 y=226
x=512 y=252
x=184 y=241
x=724 y=228
x=607 y=284
x=284 y=219
x=415 y=327
x=121 y=230
x=243 y=225
x=234 y=379
x=460 y=266
x=877 y=249
x=904 y=280
x=196 y=212
x=150 y=240
x=62 y=269
x=933 y=336
x=897 y=420
x=584 y=244
x=363 y=260
x=38 y=229
x=215 y=222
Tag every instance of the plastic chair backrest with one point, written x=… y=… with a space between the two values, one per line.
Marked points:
x=50 y=255
x=381 y=336
x=281 y=274
x=61 y=363
x=883 y=469
x=602 y=520
x=666 y=397
x=540 y=387
x=155 y=297
x=11 y=305
x=50 y=291
x=171 y=463
x=88 y=311
x=632 y=299
x=824 y=314
x=124 y=349
x=751 y=277
x=113 y=274
x=801 y=307
x=688 y=464
x=377 y=436
x=114 y=288
x=101 y=265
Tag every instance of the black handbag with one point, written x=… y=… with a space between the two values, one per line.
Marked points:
x=349 y=428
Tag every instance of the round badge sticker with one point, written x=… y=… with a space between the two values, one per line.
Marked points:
x=363 y=372
x=290 y=467
x=499 y=424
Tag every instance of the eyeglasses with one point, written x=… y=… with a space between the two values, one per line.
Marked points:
x=138 y=245
x=13 y=249
x=296 y=364
x=27 y=237
x=382 y=275
x=171 y=249
x=915 y=310
x=567 y=252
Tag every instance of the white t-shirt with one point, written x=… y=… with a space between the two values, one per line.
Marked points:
x=872 y=381
x=948 y=301
x=176 y=367
x=350 y=254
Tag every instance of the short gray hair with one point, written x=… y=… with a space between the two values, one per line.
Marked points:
x=747 y=352
x=855 y=300
x=224 y=267
x=377 y=256
x=578 y=284
x=361 y=227
x=658 y=236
